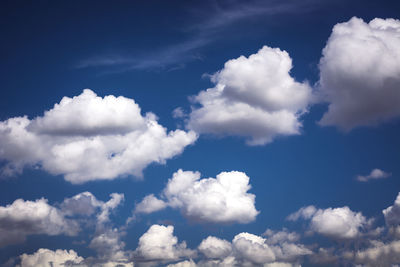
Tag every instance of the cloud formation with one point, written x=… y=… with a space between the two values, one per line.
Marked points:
x=254 y=97
x=89 y=138
x=159 y=244
x=375 y=174
x=223 y=199
x=340 y=223
x=392 y=213
x=45 y=258
x=360 y=73
x=23 y=218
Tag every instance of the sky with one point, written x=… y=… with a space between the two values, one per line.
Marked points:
x=200 y=133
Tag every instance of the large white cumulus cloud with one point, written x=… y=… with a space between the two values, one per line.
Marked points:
x=360 y=73
x=223 y=199
x=88 y=137
x=253 y=97
x=341 y=223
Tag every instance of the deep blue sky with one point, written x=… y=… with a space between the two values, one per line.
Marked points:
x=157 y=53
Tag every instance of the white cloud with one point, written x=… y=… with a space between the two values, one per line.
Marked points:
x=183 y=264
x=150 y=204
x=253 y=97
x=379 y=254
x=340 y=223
x=360 y=73
x=392 y=213
x=88 y=137
x=109 y=246
x=59 y=258
x=86 y=204
x=253 y=248
x=23 y=218
x=276 y=237
x=45 y=258
x=215 y=248
x=159 y=244
x=375 y=174
x=223 y=199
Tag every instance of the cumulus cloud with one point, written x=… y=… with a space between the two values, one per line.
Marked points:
x=23 y=218
x=150 y=204
x=379 y=254
x=392 y=213
x=258 y=250
x=109 y=246
x=215 y=248
x=88 y=137
x=159 y=244
x=360 y=73
x=60 y=258
x=45 y=258
x=375 y=174
x=341 y=223
x=223 y=199
x=254 y=97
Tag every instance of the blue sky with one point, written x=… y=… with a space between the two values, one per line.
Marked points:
x=200 y=133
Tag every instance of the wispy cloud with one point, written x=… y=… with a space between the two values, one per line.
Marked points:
x=213 y=17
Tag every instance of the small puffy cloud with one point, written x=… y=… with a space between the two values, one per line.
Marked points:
x=276 y=237
x=360 y=73
x=88 y=138
x=23 y=218
x=215 y=248
x=375 y=174
x=341 y=223
x=223 y=199
x=253 y=248
x=392 y=213
x=109 y=246
x=159 y=244
x=150 y=204
x=86 y=204
x=45 y=258
x=254 y=97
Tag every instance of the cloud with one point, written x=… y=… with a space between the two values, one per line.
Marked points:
x=59 y=258
x=183 y=264
x=86 y=204
x=150 y=204
x=223 y=199
x=276 y=237
x=360 y=73
x=379 y=254
x=375 y=174
x=23 y=218
x=215 y=248
x=109 y=246
x=392 y=213
x=159 y=244
x=253 y=97
x=45 y=258
x=89 y=138
x=255 y=249
x=341 y=223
